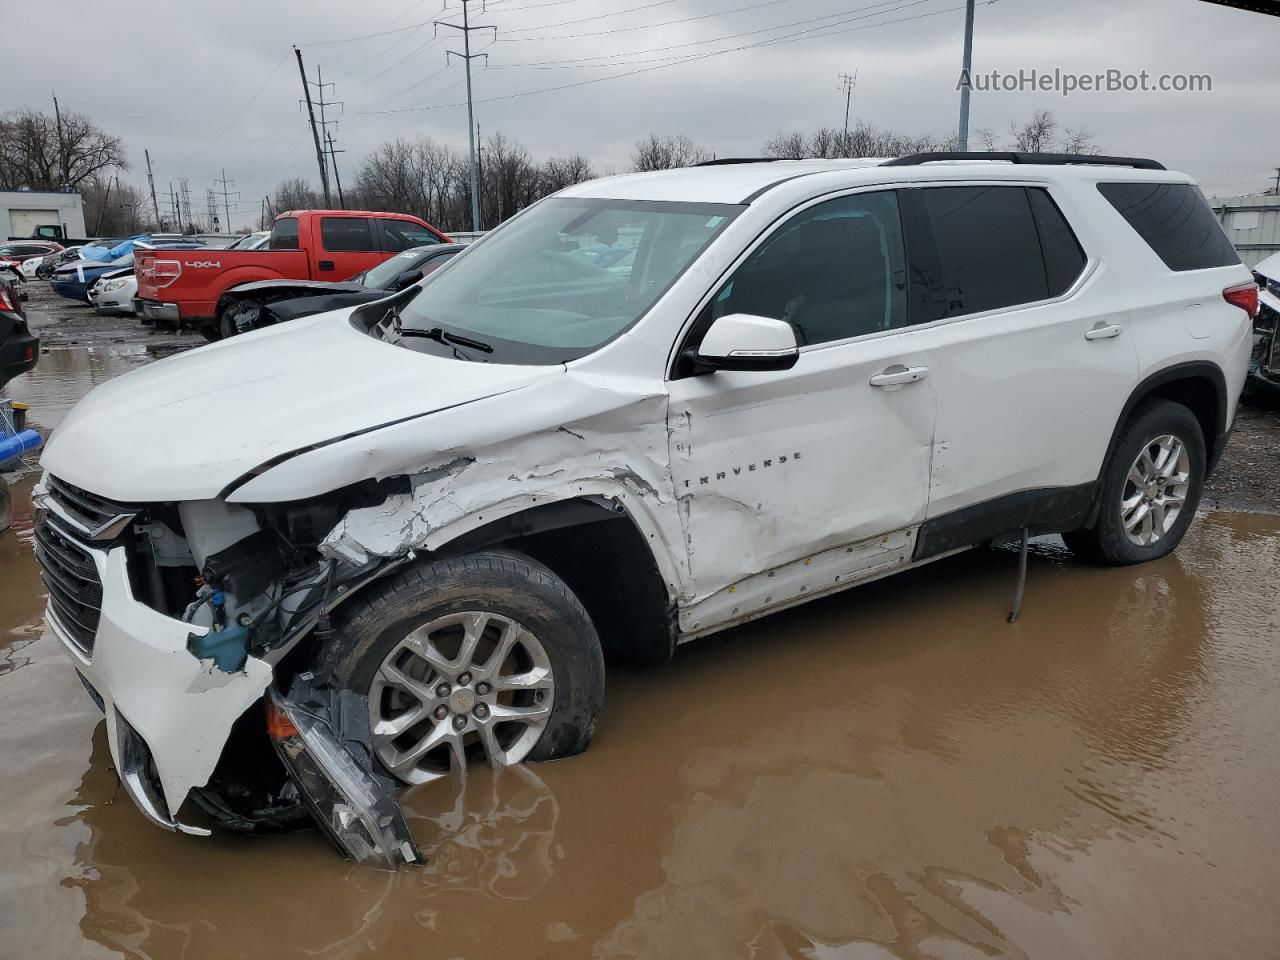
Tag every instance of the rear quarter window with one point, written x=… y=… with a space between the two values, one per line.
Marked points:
x=1063 y=258
x=1175 y=221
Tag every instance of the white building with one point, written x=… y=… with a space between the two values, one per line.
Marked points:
x=22 y=212
x=1252 y=223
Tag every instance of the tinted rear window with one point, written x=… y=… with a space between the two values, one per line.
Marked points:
x=346 y=233
x=1175 y=221
x=284 y=234
x=988 y=248
x=1063 y=258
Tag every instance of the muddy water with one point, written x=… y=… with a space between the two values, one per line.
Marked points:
x=894 y=772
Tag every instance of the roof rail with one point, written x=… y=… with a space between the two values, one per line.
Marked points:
x=726 y=161
x=1051 y=159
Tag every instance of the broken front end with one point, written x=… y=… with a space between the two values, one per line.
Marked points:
x=1264 y=363
x=194 y=626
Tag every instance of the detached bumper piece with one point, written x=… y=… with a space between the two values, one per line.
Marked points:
x=322 y=737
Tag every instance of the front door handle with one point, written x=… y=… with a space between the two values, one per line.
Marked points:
x=1103 y=331
x=897 y=375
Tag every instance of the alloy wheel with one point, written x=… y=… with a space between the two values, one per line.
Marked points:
x=461 y=688
x=1155 y=490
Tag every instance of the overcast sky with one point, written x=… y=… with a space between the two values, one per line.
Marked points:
x=208 y=86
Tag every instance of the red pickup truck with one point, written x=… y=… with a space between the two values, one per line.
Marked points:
x=189 y=287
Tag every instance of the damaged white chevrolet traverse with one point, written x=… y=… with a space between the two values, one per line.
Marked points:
x=300 y=567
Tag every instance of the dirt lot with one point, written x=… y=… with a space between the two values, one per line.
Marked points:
x=891 y=772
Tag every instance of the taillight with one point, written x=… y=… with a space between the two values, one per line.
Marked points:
x=164 y=272
x=1244 y=296
x=5 y=302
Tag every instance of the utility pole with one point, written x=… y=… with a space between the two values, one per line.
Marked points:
x=1277 y=188
x=315 y=133
x=966 y=68
x=337 y=180
x=467 y=56
x=151 y=182
x=226 y=196
x=62 y=147
x=848 y=83
x=97 y=229
x=329 y=149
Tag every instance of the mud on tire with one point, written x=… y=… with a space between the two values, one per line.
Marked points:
x=498 y=581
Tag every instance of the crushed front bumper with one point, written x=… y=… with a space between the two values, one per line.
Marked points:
x=168 y=714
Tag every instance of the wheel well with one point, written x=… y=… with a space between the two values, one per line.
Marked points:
x=1199 y=395
x=598 y=550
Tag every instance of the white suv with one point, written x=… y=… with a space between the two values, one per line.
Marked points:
x=644 y=410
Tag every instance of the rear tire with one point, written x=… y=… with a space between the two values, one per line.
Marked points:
x=554 y=651
x=1150 y=489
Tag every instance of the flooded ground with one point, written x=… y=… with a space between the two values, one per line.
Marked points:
x=894 y=772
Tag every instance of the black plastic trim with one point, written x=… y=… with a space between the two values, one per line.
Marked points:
x=1043 y=510
x=1046 y=159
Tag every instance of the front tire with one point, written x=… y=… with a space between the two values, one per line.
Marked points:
x=487 y=657
x=1150 y=490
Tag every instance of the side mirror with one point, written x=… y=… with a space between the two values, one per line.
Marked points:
x=740 y=341
x=408 y=278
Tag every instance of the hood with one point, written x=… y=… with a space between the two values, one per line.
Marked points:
x=187 y=427
x=320 y=286
x=1269 y=267
x=116 y=274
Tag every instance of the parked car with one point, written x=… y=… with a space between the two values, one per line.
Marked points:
x=11 y=270
x=191 y=288
x=251 y=241
x=414 y=527
x=19 y=349
x=114 y=291
x=52 y=261
x=23 y=250
x=251 y=306
x=73 y=280
x=1264 y=364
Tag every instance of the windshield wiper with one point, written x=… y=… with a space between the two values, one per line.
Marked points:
x=440 y=335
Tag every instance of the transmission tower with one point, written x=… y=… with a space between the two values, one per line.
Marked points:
x=184 y=197
x=227 y=196
x=211 y=209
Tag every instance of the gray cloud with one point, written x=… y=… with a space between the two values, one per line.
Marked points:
x=207 y=86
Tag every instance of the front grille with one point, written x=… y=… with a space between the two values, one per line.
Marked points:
x=71 y=577
x=99 y=517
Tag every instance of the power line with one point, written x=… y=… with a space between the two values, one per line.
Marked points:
x=645 y=26
x=675 y=62
x=599 y=16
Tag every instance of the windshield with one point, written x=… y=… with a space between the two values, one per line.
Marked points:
x=380 y=277
x=566 y=276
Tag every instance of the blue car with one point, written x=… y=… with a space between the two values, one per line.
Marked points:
x=73 y=280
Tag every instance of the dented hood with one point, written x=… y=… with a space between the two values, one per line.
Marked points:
x=187 y=427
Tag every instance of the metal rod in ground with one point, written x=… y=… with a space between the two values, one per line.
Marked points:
x=1022 y=579
x=966 y=73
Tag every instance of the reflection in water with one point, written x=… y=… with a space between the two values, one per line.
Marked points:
x=894 y=772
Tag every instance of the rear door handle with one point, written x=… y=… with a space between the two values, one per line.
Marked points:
x=897 y=375
x=326 y=264
x=1103 y=331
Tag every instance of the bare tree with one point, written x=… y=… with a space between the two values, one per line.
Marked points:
x=1035 y=135
x=787 y=146
x=295 y=194
x=561 y=172
x=37 y=155
x=113 y=208
x=666 y=153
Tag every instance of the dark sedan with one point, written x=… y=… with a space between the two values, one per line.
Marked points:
x=267 y=302
x=19 y=350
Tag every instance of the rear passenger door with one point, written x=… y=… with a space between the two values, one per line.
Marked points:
x=1031 y=361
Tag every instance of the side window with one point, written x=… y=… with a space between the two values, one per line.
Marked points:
x=988 y=249
x=1063 y=258
x=346 y=234
x=284 y=234
x=1175 y=221
x=400 y=235
x=836 y=270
